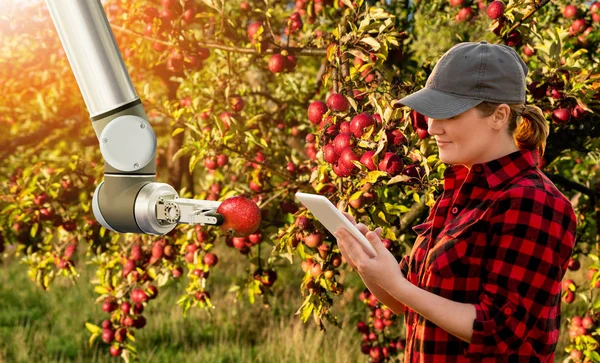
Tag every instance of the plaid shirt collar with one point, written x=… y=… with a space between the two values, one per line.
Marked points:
x=497 y=171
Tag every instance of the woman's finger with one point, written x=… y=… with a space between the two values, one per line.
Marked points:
x=346 y=257
x=350 y=218
x=352 y=246
x=378 y=231
x=362 y=228
x=342 y=247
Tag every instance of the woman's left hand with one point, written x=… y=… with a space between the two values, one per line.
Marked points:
x=376 y=269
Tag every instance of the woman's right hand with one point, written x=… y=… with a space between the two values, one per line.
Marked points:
x=361 y=227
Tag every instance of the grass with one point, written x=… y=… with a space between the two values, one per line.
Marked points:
x=38 y=326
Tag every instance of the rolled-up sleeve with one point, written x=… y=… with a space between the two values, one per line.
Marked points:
x=531 y=237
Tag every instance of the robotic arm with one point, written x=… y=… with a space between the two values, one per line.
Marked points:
x=129 y=200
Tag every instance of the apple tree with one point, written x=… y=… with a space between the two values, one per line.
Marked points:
x=258 y=100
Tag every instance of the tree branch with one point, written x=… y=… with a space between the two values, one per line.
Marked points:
x=571 y=185
x=415 y=212
x=346 y=74
x=319 y=76
x=36 y=137
x=267 y=167
x=536 y=7
x=234 y=49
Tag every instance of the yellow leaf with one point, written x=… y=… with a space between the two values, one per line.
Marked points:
x=100 y=290
x=177 y=131
x=92 y=338
x=372 y=42
x=34 y=230
x=398 y=179
x=94 y=329
x=355 y=195
x=416 y=198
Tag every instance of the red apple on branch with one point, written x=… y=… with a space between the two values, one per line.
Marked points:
x=242 y=216
x=496 y=9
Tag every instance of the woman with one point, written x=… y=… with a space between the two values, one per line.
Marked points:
x=483 y=280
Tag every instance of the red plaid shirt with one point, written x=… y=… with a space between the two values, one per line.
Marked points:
x=499 y=237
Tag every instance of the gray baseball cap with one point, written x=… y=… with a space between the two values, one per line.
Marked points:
x=467 y=75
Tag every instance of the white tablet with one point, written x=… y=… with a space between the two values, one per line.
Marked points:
x=331 y=217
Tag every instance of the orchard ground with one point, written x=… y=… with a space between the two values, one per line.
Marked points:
x=38 y=326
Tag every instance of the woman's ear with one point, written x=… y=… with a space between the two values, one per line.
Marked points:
x=501 y=116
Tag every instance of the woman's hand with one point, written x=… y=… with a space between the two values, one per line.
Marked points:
x=378 y=269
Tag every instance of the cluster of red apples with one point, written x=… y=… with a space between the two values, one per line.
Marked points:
x=340 y=139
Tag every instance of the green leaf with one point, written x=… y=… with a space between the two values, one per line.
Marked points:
x=94 y=329
x=182 y=299
x=252 y=138
x=306 y=310
x=593 y=355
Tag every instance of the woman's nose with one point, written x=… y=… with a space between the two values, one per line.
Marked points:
x=433 y=126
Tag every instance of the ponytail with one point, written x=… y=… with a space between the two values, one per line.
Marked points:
x=533 y=130
x=527 y=124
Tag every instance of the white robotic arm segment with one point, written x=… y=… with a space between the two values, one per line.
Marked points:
x=128 y=143
x=129 y=200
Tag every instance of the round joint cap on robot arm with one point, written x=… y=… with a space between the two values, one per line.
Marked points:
x=128 y=143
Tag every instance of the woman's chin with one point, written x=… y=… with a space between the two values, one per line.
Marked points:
x=448 y=160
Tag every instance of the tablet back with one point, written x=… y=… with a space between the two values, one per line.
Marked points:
x=331 y=217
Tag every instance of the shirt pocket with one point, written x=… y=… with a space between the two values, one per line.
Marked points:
x=450 y=257
x=417 y=253
x=423 y=228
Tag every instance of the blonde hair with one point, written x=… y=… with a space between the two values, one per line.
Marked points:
x=531 y=132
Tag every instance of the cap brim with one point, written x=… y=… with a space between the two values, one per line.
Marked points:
x=436 y=104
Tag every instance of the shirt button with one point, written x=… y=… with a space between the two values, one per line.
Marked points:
x=454 y=210
x=508 y=311
x=478 y=168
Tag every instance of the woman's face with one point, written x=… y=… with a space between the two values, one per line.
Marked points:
x=465 y=139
